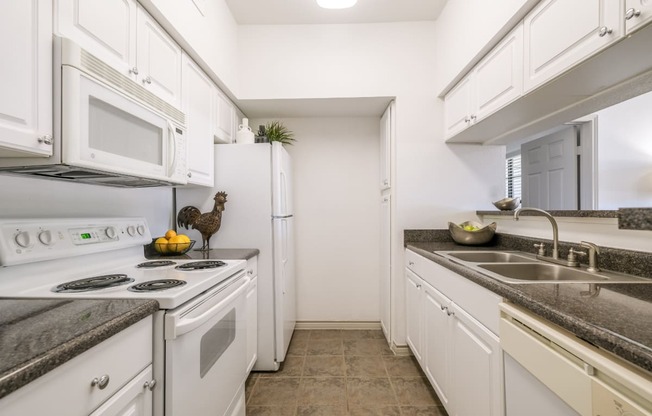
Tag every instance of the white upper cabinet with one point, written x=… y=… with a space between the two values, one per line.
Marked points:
x=122 y=34
x=26 y=78
x=495 y=82
x=159 y=60
x=637 y=14
x=106 y=28
x=386 y=134
x=562 y=33
x=197 y=92
x=225 y=119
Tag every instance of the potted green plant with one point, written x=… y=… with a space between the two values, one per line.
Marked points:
x=277 y=132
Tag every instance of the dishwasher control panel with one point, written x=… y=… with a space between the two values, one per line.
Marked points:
x=607 y=401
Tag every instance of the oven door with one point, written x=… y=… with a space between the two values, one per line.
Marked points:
x=205 y=351
x=105 y=130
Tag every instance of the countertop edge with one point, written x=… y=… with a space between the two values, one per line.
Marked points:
x=38 y=366
x=629 y=351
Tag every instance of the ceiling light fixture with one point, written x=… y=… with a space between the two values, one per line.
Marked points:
x=336 y=4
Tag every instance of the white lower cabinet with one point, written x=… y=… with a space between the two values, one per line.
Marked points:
x=252 y=326
x=134 y=399
x=459 y=354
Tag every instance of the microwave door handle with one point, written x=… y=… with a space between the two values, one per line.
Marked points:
x=178 y=328
x=172 y=137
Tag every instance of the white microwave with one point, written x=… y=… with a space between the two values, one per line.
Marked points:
x=108 y=129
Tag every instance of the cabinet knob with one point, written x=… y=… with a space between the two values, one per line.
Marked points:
x=250 y=272
x=473 y=117
x=443 y=308
x=410 y=263
x=467 y=119
x=45 y=139
x=604 y=31
x=147 y=80
x=190 y=174
x=133 y=70
x=385 y=182
x=449 y=312
x=418 y=286
x=630 y=13
x=150 y=385
x=100 y=382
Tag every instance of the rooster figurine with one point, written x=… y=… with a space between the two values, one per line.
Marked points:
x=208 y=223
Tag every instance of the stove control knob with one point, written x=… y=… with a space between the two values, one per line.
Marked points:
x=141 y=229
x=23 y=239
x=111 y=232
x=131 y=230
x=45 y=237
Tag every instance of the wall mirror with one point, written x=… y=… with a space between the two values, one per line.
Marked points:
x=602 y=161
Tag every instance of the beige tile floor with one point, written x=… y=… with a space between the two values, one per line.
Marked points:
x=348 y=372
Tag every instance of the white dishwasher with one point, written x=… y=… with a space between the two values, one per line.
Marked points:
x=549 y=371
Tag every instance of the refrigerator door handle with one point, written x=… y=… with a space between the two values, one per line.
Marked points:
x=275 y=217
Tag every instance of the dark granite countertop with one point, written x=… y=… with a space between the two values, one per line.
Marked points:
x=214 y=253
x=618 y=319
x=38 y=335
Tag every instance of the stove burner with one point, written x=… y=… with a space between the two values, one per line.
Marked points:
x=155 y=263
x=200 y=265
x=155 y=285
x=93 y=283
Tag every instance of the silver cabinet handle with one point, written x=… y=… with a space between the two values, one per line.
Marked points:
x=418 y=286
x=467 y=119
x=473 y=117
x=100 y=382
x=147 y=80
x=45 y=139
x=443 y=308
x=250 y=272
x=133 y=70
x=449 y=312
x=410 y=263
x=385 y=182
x=150 y=385
x=604 y=31
x=190 y=174
x=630 y=13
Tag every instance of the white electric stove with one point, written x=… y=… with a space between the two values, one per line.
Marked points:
x=200 y=331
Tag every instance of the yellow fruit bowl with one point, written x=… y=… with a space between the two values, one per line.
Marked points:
x=173 y=249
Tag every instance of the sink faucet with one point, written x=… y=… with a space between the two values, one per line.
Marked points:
x=594 y=251
x=555 y=228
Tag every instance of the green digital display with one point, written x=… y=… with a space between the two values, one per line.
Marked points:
x=85 y=236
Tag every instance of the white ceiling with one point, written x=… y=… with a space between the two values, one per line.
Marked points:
x=283 y=12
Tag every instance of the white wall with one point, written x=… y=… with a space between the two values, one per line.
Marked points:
x=335 y=170
x=41 y=198
x=625 y=154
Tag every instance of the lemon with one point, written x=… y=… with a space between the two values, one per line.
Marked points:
x=184 y=238
x=178 y=244
x=161 y=245
x=170 y=233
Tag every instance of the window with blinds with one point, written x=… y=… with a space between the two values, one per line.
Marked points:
x=513 y=176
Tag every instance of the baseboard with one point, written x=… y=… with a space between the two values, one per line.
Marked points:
x=337 y=325
x=402 y=350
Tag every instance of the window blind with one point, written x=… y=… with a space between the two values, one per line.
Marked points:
x=513 y=176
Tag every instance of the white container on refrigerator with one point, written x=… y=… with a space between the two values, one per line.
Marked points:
x=258 y=214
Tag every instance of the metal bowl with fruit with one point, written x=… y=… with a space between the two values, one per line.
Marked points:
x=173 y=244
x=507 y=204
x=472 y=233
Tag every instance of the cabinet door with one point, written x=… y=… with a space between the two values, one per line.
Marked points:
x=26 y=77
x=436 y=340
x=252 y=323
x=457 y=107
x=386 y=133
x=134 y=399
x=159 y=60
x=106 y=29
x=385 y=264
x=225 y=119
x=638 y=13
x=413 y=313
x=559 y=34
x=197 y=102
x=476 y=367
x=499 y=77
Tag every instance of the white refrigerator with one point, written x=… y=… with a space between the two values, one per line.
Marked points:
x=258 y=214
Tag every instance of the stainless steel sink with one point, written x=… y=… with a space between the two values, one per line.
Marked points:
x=490 y=257
x=552 y=273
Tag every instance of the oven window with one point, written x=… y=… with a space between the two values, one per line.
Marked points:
x=216 y=341
x=117 y=132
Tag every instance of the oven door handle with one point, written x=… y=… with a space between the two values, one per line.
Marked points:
x=174 y=327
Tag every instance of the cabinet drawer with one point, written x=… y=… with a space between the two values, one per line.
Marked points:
x=67 y=389
x=418 y=264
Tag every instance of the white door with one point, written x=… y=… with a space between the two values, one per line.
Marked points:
x=457 y=107
x=26 y=77
x=413 y=313
x=385 y=264
x=550 y=171
x=134 y=399
x=159 y=60
x=197 y=103
x=436 y=339
x=558 y=34
x=637 y=14
x=106 y=29
x=499 y=76
x=385 y=147
x=476 y=368
x=285 y=308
